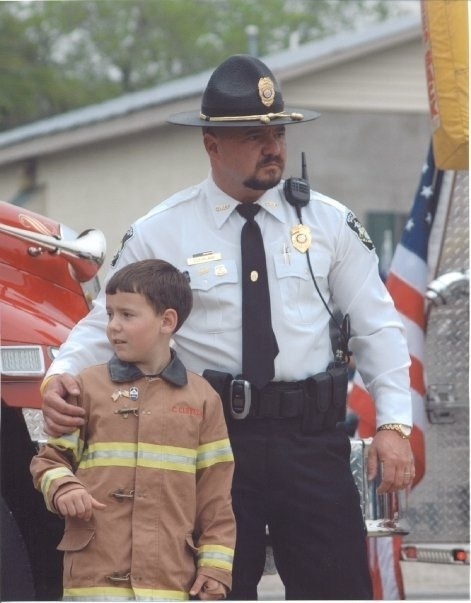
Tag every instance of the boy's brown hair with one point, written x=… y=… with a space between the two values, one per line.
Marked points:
x=163 y=285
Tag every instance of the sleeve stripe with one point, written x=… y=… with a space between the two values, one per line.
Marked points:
x=48 y=478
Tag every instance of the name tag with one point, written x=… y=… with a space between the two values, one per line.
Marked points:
x=202 y=258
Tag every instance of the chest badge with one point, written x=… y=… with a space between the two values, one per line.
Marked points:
x=301 y=237
x=132 y=394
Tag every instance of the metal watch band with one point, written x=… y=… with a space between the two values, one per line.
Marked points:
x=403 y=430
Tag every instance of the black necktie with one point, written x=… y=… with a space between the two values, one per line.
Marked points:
x=259 y=346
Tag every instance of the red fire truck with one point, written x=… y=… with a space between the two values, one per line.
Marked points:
x=48 y=278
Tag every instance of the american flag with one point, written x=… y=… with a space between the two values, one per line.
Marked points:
x=407 y=284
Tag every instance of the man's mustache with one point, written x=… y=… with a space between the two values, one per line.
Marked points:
x=270 y=160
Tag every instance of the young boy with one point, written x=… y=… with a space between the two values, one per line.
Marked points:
x=144 y=485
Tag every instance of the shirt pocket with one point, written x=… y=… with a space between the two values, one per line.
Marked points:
x=300 y=299
x=217 y=296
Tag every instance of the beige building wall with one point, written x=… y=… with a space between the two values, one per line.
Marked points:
x=366 y=149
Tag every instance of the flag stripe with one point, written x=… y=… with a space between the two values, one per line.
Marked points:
x=407 y=300
x=416 y=372
x=410 y=268
x=415 y=337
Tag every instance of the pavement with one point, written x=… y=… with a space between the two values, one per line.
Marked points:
x=422 y=582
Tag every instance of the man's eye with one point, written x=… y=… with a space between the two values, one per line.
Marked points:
x=253 y=136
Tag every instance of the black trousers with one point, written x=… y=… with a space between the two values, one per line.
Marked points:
x=301 y=486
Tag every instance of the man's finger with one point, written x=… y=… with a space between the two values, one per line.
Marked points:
x=70 y=384
x=56 y=424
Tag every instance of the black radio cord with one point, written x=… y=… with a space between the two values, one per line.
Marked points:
x=344 y=328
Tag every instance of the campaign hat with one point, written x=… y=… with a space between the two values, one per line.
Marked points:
x=242 y=92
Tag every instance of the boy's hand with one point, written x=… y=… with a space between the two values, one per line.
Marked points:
x=208 y=589
x=77 y=503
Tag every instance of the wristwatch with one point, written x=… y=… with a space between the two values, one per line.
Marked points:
x=403 y=430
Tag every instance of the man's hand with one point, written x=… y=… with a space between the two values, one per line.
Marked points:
x=208 y=589
x=77 y=503
x=59 y=416
x=394 y=454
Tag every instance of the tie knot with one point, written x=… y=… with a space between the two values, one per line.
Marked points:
x=248 y=210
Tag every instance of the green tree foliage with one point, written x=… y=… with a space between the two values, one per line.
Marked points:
x=57 y=56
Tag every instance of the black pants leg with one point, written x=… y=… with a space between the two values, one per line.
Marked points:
x=303 y=488
x=250 y=512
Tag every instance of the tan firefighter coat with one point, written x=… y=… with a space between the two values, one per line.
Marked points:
x=155 y=450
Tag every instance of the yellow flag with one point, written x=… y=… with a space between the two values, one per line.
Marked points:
x=445 y=35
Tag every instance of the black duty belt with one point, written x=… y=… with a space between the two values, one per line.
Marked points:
x=320 y=400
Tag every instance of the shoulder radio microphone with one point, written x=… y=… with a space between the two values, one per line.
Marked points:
x=297 y=190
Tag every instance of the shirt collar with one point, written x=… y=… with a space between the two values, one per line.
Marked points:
x=222 y=205
x=174 y=372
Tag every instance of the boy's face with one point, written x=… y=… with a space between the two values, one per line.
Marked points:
x=136 y=332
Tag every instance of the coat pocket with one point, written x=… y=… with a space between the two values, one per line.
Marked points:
x=79 y=562
x=76 y=538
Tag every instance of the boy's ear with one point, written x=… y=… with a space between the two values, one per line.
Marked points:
x=169 y=320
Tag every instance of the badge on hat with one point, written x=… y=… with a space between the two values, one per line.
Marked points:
x=242 y=92
x=301 y=237
x=266 y=91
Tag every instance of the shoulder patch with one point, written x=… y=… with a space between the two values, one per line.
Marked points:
x=129 y=234
x=359 y=230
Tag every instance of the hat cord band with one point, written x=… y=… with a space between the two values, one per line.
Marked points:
x=267 y=118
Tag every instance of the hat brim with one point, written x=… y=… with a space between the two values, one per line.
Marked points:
x=192 y=118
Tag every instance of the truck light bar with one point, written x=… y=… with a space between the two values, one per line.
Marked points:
x=22 y=360
x=431 y=554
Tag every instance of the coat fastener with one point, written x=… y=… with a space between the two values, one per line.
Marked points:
x=125 y=412
x=117 y=577
x=121 y=495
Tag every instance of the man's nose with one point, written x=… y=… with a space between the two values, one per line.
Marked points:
x=272 y=144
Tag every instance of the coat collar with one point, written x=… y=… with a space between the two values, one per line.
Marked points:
x=174 y=372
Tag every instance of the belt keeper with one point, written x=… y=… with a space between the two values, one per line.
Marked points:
x=323 y=383
x=268 y=405
x=312 y=420
x=339 y=390
x=292 y=403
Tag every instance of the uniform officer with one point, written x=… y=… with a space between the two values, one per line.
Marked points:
x=292 y=462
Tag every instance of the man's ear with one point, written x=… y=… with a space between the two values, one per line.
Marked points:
x=210 y=144
x=169 y=321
